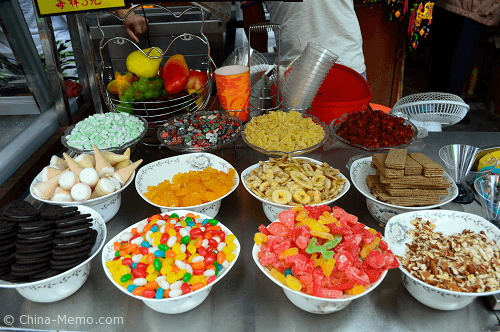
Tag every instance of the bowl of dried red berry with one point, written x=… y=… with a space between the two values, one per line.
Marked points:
x=323 y=259
x=200 y=131
x=373 y=131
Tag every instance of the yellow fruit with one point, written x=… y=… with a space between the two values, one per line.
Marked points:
x=144 y=66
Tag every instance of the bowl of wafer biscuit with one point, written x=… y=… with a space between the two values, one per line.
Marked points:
x=397 y=182
x=281 y=183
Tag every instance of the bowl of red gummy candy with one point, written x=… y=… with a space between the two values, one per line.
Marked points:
x=323 y=260
x=168 y=262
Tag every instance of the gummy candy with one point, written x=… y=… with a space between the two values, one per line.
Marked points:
x=375 y=259
x=287 y=218
x=278 y=229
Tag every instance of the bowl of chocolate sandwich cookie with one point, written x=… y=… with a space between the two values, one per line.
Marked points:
x=47 y=253
x=397 y=182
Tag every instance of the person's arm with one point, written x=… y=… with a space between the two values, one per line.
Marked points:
x=135 y=24
x=253 y=12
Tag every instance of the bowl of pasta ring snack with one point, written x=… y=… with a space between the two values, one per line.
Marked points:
x=281 y=183
x=285 y=133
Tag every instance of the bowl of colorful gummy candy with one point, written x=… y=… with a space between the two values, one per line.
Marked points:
x=194 y=181
x=323 y=259
x=169 y=261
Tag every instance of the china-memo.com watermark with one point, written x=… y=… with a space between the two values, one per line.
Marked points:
x=10 y=320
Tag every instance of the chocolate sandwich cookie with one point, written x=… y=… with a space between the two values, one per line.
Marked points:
x=34 y=240
x=7 y=236
x=44 y=275
x=73 y=230
x=16 y=204
x=22 y=271
x=71 y=251
x=72 y=240
x=34 y=229
x=35 y=235
x=68 y=258
x=20 y=212
x=32 y=256
x=65 y=265
x=7 y=249
x=30 y=247
x=36 y=224
x=8 y=241
x=75 y=220
x=59 y=212
x=6 y=226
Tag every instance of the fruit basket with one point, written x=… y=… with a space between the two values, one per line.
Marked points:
x=149 y=99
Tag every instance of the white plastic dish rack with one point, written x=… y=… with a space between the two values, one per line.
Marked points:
x=431 y=110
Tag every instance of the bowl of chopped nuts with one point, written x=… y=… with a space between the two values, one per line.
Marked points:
x=447 y=258
x=281 y=183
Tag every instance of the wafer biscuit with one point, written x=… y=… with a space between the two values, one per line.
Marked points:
x=396 y=159
x=410 y=201
x=437 y=185
x=372 y=180
x=412 y=167
x=429 y=167
x=379 y=161
x=416 y=192
x=412 y=179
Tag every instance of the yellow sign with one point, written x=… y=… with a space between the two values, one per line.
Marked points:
x=58 y=7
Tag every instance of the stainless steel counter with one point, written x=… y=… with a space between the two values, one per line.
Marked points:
x=246 y=300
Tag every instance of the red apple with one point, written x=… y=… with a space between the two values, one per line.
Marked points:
x=196 y=79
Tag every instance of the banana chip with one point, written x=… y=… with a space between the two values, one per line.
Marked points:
x=290 y=181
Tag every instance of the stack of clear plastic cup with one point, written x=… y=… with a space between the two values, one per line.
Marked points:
x=306 y=77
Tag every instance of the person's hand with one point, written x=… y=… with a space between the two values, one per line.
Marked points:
x=135 y=24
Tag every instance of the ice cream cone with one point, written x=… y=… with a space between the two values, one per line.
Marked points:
x=81 y=192
x=45 y=189
x=55 y=160
x=123 y=174
x=49 y=172
x=89 y=176
x=125 y=162
x=116 y=182
x=113 y=158
x=61 y=195
x=85 y=160
x=104 y=187
x=102 y=166
x=72 y=164
x=68 y=179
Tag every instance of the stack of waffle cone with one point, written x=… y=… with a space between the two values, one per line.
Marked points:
x=102 y=165
x=124 y=163
x=114 y=158
x=61 y=195
x=123 y=174
x=85 y=160
x=58 y=162
x=104 y=187
x=45 y=189
x=72 y=164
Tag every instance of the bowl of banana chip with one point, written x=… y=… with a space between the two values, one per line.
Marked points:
x=281 y=183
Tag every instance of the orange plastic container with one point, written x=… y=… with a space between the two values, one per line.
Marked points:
x=343 y=91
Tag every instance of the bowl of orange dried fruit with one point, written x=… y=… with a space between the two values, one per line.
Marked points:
x=194 y=181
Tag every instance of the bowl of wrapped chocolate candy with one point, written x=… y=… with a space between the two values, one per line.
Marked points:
x=47 y=253
x=94 y=180
x=397 y=182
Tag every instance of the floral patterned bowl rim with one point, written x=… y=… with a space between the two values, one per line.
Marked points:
x=361 y=167
x=246 y=172
x=108 y=253
x=98 y=225
x=447 y=222
x=197 y=161
x=368 y=289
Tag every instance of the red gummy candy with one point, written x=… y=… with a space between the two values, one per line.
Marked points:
x=264 y=230
x=269 y=258
x=339 y=213
x=344 y=229
x=343 y=286
x=368 y=236
x=383 y=245
x=301 y=262
x=280 y=247
x=373 y=274
x=353 y=240
x=357 y=276
x=273 y=240
x=376 y=259
x=302 y=242
x=278 y=229
x=390 y=261
x=351 y=218
x=343 y=261
x=261 y=253
x=331 y=293
x=358 y=228
x=316 y=211
x=287 y=218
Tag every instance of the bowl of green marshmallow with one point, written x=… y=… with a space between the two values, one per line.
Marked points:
x=114 y=132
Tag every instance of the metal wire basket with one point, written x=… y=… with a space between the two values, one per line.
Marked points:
x=432 y=110
x=157 y=111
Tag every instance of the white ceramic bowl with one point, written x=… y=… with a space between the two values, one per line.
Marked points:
x=107 y=206
x=67 y=283
x=174 y=305
x=164 y=169
x=383 y=211
x=447 y=222
x=271 y=209
x=314 y=304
